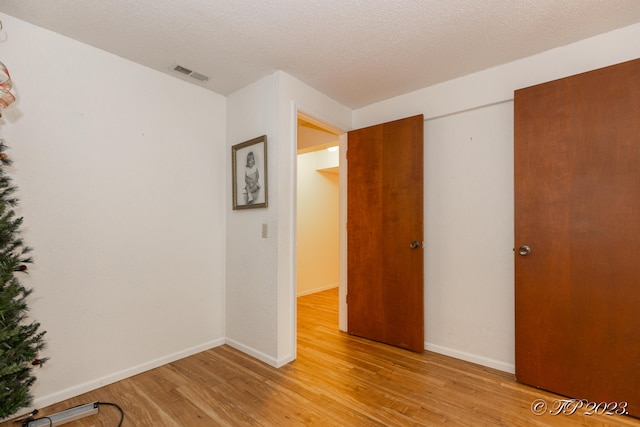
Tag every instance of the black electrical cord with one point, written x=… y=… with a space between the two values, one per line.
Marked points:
x=117 y=407
x=30 y=417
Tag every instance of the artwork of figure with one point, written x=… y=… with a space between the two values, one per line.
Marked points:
x=251 y=177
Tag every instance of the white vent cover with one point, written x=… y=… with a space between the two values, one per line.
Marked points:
x=187 y=72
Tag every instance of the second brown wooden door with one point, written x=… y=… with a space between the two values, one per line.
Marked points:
x=577 y=200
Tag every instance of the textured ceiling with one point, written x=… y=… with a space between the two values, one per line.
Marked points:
x=357 y=52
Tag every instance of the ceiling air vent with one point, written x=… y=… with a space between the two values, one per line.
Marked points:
x=187 y=72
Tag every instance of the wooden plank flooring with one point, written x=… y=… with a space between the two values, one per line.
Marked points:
x=337 y=380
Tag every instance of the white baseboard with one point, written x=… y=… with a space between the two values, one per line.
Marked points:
x=50 y=399
x=314 y=290
x=473 y=358
x=263 y=357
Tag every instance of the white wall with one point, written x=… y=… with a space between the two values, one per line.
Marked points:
x=318 y=227
x=469 y=235
x=261 y=297
x=121 y=173
x=251 y=291
x=469 y=309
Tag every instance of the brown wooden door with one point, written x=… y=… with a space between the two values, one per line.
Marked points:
x=385 y=273
x=577 y=206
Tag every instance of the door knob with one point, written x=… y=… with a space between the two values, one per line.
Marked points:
x=524 y=250
x=414 y=244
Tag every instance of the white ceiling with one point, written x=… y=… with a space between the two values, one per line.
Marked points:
x=355 y=51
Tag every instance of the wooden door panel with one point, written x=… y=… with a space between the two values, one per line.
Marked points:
x=577 y=205
x=385 y=276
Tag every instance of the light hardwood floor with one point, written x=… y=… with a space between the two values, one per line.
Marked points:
x=337 y=380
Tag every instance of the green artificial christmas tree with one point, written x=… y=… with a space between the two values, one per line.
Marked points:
x=20 y=339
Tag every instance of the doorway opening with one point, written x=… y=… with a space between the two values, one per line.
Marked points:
x=320 y=199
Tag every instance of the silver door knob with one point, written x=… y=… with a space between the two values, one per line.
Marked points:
x=524 y=250
x=414 y=244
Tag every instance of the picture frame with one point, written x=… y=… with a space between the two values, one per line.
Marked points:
x=249 y=169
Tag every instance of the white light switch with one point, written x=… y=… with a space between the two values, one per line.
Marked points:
x=265 y=231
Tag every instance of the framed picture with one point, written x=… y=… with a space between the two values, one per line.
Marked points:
x=249 y=165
